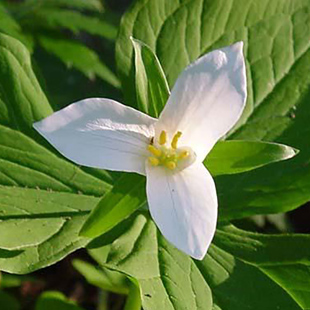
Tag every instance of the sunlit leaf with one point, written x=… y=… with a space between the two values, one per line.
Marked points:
x=276 y=38
x=235 y=156
x=126 y=196
x=48 y=227
x=170 y=279
x=151 y=86
x=42 y=207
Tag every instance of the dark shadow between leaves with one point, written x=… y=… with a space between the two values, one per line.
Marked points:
x=9 y=254
x=44 y=215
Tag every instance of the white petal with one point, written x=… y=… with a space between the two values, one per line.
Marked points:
x=207 y=100
x=184 y=206
x=100 y=133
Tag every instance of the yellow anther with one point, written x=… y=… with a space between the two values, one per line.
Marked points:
x=174 y=143
x=184 y=154
x=156 y=152
x=163 y=137
x=153 y=161
x=170 y=165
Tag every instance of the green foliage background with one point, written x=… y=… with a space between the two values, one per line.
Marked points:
x=45 y=200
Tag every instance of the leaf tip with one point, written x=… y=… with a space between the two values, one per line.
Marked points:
x=291 y=152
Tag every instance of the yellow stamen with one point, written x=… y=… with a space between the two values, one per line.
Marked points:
x=184 y=154
x=174 y=143
x=153 y=161
x=156 y=152
x=170 y=165
x=163 y=137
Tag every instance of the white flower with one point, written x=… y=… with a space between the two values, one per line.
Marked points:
x=206 y=101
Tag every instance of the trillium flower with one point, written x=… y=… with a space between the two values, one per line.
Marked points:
x=206 y=101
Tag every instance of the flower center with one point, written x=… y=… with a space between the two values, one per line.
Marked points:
x=170 y=157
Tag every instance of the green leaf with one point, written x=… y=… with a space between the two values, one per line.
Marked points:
x=53 y=18
x=284 y=258
x=92 y=5
x=276 y=38
x=126 y=196
x=100 y=254
x=11 y=27
x=111 y=281
x=48 y=219
x=179 y=32
x=51 y=300
x=169 y=279
x=8 y=302
x=8 y=23
x=133 y=301
x=103 y=278
x=238 y=285
x=10 y=281
x=21 y=99
x=151 y=85
x=51 y=220
x=24 y=162
x=235 y=156
x=73 y=54
x=284 y=186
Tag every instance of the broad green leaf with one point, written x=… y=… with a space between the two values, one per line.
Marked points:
x=76 y=55
x=22 y=101
x=53 y=18
x=50 y=222
x=51 y=300
x=24 y=162
x=276 y=36
x=235 y=156
x=103 y=278
x=283 y=186
x=284 y=258
x=44 y=199
x=151 y=85
x=126 y=196
x=238 y=285
x=8 y=302
x=170 y=279
x=179 y=32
